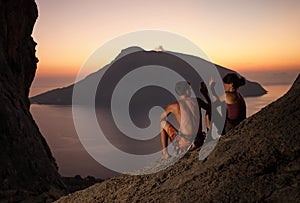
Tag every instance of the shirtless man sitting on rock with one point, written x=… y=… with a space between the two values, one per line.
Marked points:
x=187 y=112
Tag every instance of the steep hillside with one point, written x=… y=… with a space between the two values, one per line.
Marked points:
x=258 y=161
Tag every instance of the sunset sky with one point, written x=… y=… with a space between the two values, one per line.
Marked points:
x=238 y=34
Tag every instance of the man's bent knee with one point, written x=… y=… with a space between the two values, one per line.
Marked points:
x=164 y=124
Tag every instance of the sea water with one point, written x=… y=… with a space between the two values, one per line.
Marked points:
x=56 y=125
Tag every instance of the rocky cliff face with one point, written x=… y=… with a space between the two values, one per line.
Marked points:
x=259 y=161
x=27 y=168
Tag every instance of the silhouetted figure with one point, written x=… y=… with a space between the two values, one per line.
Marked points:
x=204 y=91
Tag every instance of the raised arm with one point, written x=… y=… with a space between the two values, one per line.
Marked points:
x=204 y=91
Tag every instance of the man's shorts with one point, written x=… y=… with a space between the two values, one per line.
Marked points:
x=177 y=138
x=171 y=131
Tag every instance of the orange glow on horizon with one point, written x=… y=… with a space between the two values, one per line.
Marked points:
x=68 y=32
x=43 y=71
x=59 y=71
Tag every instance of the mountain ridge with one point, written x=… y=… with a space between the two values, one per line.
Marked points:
x=63 y=96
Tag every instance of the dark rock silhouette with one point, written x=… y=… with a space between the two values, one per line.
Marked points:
x=258 y=161
x=135 y=58
x=28 y=171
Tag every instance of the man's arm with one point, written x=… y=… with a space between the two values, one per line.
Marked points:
x=168 y=111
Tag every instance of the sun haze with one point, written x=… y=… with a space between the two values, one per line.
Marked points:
x=251 y=35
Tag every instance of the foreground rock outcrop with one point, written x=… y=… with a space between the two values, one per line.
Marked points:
x=258 y=161
x=28 y=171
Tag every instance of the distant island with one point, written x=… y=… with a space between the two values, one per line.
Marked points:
x=135 y=56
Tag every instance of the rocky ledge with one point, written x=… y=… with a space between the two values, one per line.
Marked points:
x=258 y=161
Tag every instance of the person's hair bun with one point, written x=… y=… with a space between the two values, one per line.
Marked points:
x=234 y=79
x=241 y=82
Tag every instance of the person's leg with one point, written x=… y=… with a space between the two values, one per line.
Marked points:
x=199 y=140
x=166 y=130
x=207 y=121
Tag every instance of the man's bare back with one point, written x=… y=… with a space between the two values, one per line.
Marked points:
x=187 y=112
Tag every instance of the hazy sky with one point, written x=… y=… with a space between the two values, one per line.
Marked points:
x=238 y=34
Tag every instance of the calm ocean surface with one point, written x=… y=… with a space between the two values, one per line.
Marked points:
x=56 y=125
